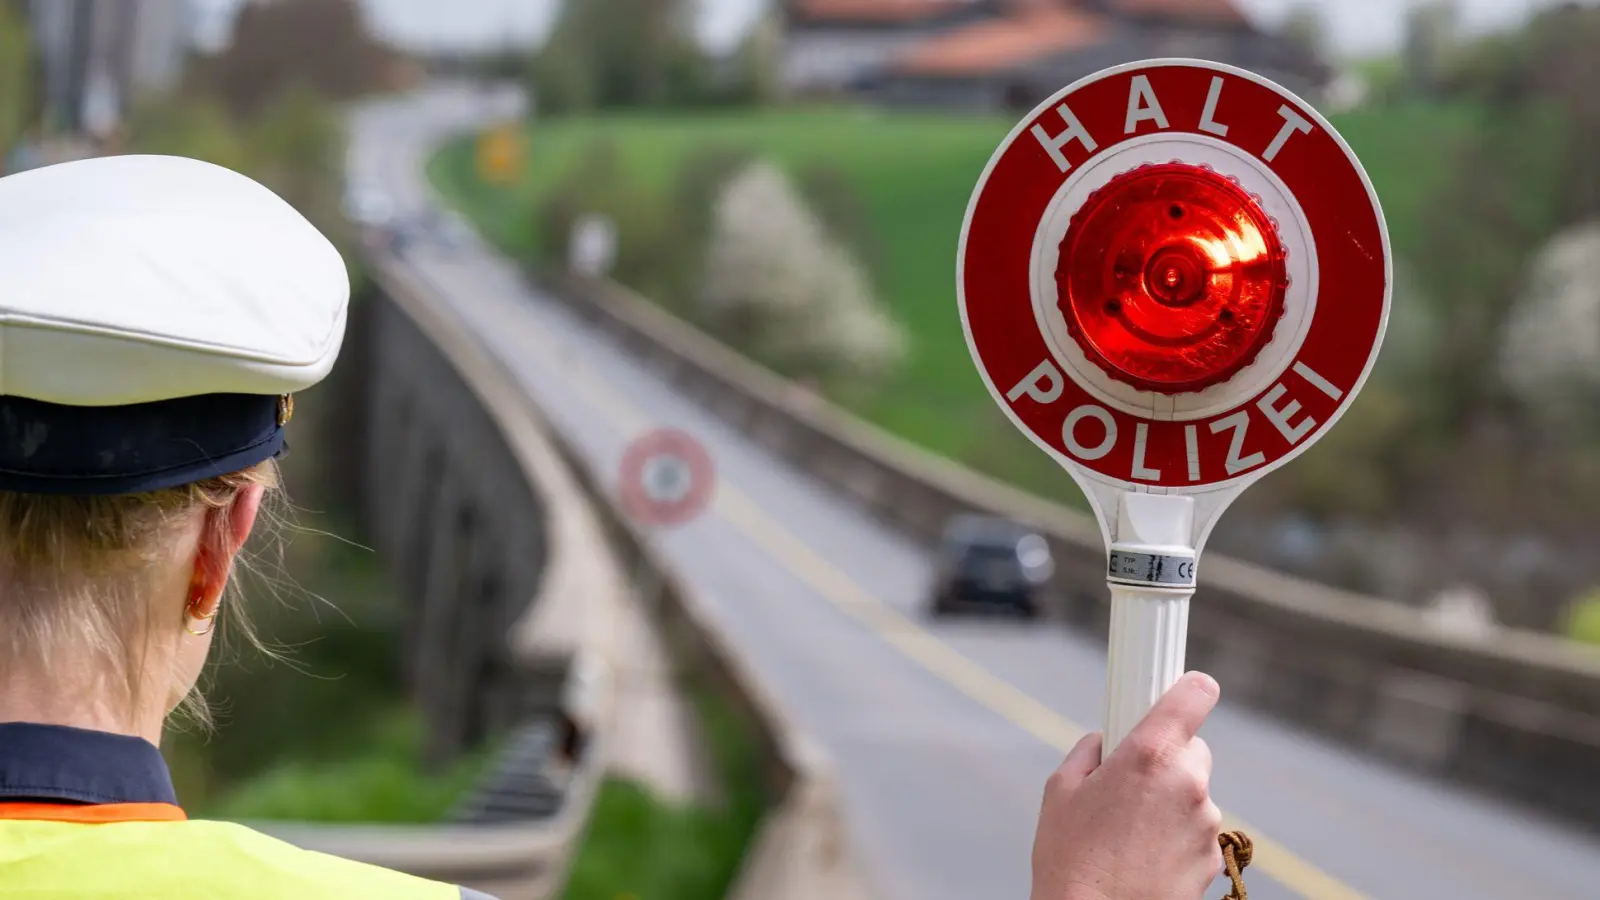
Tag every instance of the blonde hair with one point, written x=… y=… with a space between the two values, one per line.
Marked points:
x=75 y=574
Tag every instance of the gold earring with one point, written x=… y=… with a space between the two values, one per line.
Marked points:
x=210 y=617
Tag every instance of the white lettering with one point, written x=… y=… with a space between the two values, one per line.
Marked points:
x=1075 y=132
x=1069 y=432
x=1239 y=422
x=1141 y=472
x=1292 y=122
x=1208 y=118
x=1191 y=440
x=1317 y=381
x=1143 y=105
x=1043 y=384
x=1283 y=418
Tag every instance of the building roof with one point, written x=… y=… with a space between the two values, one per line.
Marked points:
x=1001 y=43
x=1209 y=12
x=875 y=12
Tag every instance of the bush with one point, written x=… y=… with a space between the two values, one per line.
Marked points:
x=780 y=287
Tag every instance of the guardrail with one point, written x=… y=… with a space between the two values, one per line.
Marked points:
x=472 y=497
x=1515 y=712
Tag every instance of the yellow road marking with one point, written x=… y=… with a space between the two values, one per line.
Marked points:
x=910 y=638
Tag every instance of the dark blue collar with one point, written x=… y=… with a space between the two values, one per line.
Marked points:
x=53 y=763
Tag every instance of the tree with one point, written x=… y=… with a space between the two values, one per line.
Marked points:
x=1305 y=30
x=779 y=286
x=1430 y=33
x=297 y=145
x=1533 y=171
x=753 y=70
x=277 y=44
x=615 y=54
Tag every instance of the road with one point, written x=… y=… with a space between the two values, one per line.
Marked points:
x=943 y=733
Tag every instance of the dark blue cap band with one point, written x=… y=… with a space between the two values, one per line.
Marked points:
x=47 y=448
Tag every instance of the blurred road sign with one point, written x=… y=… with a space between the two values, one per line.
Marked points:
x=500 y=153
x=666 y=478
x=594 y=246
x=1205 y=378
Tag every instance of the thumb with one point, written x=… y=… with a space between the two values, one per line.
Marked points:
x=1083 y=760
x=1178 y=715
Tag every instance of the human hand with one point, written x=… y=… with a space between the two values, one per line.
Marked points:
x=1140 y=825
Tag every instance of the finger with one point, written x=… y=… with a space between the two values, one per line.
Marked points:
x=1177 y=716
x=1084 y=759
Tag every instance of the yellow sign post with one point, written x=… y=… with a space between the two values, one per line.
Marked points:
x=500 y=154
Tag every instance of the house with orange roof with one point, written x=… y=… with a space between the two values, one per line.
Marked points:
x=839 y=46
x=988 y=55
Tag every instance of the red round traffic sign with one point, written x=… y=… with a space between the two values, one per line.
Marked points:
x=1174 y=274
x=666 y=478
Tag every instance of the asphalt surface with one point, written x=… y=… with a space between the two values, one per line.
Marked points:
x=943 y=733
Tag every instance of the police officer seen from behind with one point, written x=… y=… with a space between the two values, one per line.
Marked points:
x=157 y=315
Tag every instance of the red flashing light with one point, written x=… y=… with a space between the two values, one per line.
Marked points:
x=1172 y=278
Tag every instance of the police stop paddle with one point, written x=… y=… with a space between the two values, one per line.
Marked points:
x=1174 y=277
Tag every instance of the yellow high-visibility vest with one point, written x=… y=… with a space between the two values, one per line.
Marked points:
x=136 y=850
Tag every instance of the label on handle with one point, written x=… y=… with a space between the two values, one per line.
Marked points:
x=1151 y=568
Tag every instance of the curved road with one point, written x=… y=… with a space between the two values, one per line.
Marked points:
x=943 y=734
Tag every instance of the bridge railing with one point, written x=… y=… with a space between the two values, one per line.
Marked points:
x=1515 y=712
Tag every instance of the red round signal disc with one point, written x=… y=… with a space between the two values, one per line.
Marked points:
x=1174 y=273
x=1172 y=278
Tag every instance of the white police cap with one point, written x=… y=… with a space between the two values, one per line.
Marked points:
x=156 y=316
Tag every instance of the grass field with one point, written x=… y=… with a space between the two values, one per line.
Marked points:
x=913 y=175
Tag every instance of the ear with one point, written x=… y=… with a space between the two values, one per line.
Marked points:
x=220 y=542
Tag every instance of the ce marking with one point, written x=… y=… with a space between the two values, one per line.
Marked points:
x=1151 y=568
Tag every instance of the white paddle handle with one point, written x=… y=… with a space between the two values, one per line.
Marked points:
x=1151 y=571
x=1149 y=629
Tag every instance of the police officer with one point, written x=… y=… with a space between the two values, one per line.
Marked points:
x=157 y=316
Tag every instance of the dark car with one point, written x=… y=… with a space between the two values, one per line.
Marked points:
x=993 y=564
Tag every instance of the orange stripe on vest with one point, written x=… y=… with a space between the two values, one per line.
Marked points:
x=97 y=814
